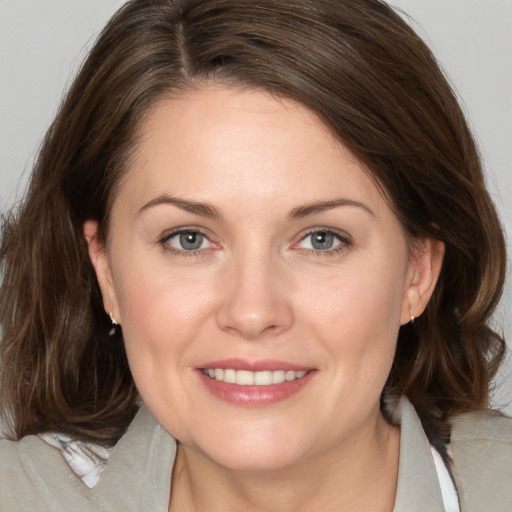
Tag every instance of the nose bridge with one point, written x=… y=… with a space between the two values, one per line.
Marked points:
x=253 y=303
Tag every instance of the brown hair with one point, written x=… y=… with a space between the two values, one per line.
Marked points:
x=374 y=83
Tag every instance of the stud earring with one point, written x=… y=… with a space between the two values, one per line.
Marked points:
x=114 y=323
x=412 y=315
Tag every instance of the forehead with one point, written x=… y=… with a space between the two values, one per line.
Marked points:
x=217 y=143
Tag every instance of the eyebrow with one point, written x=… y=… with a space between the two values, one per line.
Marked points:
x=203 y=209
x=208 y=210
x=310 y=209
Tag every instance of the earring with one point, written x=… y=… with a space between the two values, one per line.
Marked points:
x=114 y=323
x=412 y=315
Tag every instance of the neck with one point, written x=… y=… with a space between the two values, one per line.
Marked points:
x=359 y=474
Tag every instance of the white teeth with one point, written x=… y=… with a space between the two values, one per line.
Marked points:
x=244 y=378
x=248 y=378
x=263 y=378
x=229 y=376
x=278 y=376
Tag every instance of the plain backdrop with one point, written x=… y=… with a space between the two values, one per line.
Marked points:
x=42 y=43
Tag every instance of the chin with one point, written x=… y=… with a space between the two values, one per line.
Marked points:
x=252 y=452
x=255 y=460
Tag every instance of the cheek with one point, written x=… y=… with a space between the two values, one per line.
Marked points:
x=356 y=314
x=151 y=293
x=159 y=316
x=159 y=322
x=361 y=300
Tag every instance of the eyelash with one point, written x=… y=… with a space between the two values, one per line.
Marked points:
x=343 y=239
x=182 y=253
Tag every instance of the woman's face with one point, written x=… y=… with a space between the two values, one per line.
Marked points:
x=259 y=277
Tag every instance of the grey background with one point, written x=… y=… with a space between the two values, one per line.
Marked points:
x=42 y=43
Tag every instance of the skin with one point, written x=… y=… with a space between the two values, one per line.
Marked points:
x=258 y=289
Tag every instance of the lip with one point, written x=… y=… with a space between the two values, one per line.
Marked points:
x=254 y=396
x=255 y=366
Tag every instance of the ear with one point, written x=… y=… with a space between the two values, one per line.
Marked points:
x=425 y=266
x=99 y=260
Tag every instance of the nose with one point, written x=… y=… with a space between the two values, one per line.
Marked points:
x=255 y=299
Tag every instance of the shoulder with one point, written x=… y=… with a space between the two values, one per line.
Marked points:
x=9 y=455
x=486 y=425
x=34 y=475
x=16 y=488
x=482 y=460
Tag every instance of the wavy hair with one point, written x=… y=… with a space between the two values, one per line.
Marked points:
x=379 y=90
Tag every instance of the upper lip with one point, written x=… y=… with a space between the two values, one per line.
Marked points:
x=254 y=365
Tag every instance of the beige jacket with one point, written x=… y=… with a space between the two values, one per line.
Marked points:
x=34 y=476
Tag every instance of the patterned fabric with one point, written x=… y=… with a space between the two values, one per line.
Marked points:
x=86 y=460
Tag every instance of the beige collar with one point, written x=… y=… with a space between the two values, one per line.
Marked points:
x=138 y=471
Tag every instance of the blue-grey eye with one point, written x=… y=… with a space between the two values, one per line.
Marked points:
x=321 y=241
x=188 y=241
x=191 y=240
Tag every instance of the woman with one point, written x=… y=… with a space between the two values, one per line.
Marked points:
x=258 y=259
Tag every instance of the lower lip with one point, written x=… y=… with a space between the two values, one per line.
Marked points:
x=254 y=396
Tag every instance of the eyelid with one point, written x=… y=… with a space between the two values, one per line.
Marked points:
x=182 y=229
x=344 y=238
x=167 y=235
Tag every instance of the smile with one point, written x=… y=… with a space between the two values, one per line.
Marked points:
x=254 y=383
x=249 y=378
